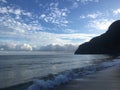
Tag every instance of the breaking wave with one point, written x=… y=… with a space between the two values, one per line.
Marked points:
x=55 y=80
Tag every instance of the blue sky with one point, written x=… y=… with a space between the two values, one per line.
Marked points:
x=35 y=23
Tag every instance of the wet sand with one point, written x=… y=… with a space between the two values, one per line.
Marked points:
x=108 y=79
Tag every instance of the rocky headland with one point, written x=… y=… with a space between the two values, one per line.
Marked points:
x=107 y=43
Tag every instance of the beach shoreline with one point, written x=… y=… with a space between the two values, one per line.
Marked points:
x=107 y=79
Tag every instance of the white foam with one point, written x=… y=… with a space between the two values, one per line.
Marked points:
x=69 y=75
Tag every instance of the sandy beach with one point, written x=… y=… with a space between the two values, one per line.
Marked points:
x=108 y=79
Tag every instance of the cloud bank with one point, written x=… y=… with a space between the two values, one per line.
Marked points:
x=66 y=47
x=15 y=47
x=28 y=47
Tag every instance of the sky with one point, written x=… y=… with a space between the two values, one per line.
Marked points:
x=31 y=24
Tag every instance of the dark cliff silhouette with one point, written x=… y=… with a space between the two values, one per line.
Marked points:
x=107 y=43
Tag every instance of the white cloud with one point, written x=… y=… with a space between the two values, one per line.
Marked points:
x=15 y=46
x=55 y=15
x=100 y=24
x=43 y=16
x=84 y=1
x=29 y=33
x=92 y=15
x=116 y=12
x=82 y=17
x=18 y=27
x=75 y=5
x=3 y=1
x=95 y=15
x=78 y=37
x=3 y=10
x=66 y=47
x=44 y=38
x=25 y=47
x=17 y=30
x=28 y=47
x=16 y=11
x=17 y=23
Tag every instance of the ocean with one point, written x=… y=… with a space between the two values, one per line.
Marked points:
x=37 y=70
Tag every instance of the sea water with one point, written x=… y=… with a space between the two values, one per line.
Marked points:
x=47 y=69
